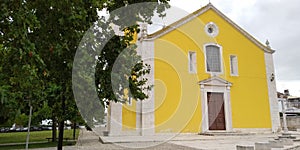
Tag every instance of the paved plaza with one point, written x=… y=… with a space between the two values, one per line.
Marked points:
x=90 y=141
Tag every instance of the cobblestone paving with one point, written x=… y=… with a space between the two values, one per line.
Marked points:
x=90 y=141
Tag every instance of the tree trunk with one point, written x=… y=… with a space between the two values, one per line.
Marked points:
x=60 y=135
x=74 y=130
x=61 y=124
x=54 y=129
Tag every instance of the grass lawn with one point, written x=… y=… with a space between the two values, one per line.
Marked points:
x=37 y=145
x=36 y=136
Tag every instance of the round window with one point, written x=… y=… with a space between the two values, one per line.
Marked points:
x=211 y=29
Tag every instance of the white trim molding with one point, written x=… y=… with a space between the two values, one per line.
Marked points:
x=234 y=65
x=211 y=29
x=221 y=58
x=215 y=84
x=146 y=108
x=272 y=91
x=192 y=62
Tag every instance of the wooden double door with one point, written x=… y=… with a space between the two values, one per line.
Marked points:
x=216 y=113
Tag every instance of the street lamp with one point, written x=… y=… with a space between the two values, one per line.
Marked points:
x=29 y=123
x=282 y=100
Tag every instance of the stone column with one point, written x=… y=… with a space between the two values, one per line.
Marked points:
x=114 y=119
x=139 y=117
x=228 y=114
x=148 y=117
x=148 y=106
x=146 y=110
x=204 y=110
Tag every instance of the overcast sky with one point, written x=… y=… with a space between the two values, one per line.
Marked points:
x=275 y=20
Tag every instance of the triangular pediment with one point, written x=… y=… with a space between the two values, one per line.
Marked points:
x=215 y=81
x=199 y=12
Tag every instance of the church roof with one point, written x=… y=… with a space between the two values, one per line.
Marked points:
x=197 y=13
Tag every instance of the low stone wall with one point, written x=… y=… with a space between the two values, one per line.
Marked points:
x=293 y=122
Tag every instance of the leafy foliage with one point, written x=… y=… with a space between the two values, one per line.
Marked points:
x=38 y=42
x=21 y=67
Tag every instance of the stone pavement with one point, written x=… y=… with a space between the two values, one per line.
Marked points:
x=230 y=142
x=90 y=141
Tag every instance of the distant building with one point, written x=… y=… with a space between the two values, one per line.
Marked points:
x=292 y=103
x=292 y=109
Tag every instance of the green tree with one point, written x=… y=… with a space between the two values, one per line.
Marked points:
x=21 y=68
x=39 y=40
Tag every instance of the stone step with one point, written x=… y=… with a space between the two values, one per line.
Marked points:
x=262 y=146
x=296 y=140
x=242 y=147
x=287 y=142
x=276 y=144
x=287 y=136
x=226 y=134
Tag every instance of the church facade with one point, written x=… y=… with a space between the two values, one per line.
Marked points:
x=208 y=75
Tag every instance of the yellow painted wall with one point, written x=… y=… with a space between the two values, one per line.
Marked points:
x=174 y=105
x=129 y=111
x=129 y=116
x=177 y=94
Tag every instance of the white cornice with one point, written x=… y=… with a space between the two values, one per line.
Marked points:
x=215 y=81
x=197 y=13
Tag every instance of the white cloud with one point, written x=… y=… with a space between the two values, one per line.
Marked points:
x=293 y=87
x=189 y=5
x=275 y=20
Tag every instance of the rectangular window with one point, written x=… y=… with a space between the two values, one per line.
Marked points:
x=233 y=65
x=213 y=59
x=192 y=62
x=129 y=101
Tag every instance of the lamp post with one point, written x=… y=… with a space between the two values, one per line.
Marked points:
x=282 y=100
x=29 y=123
